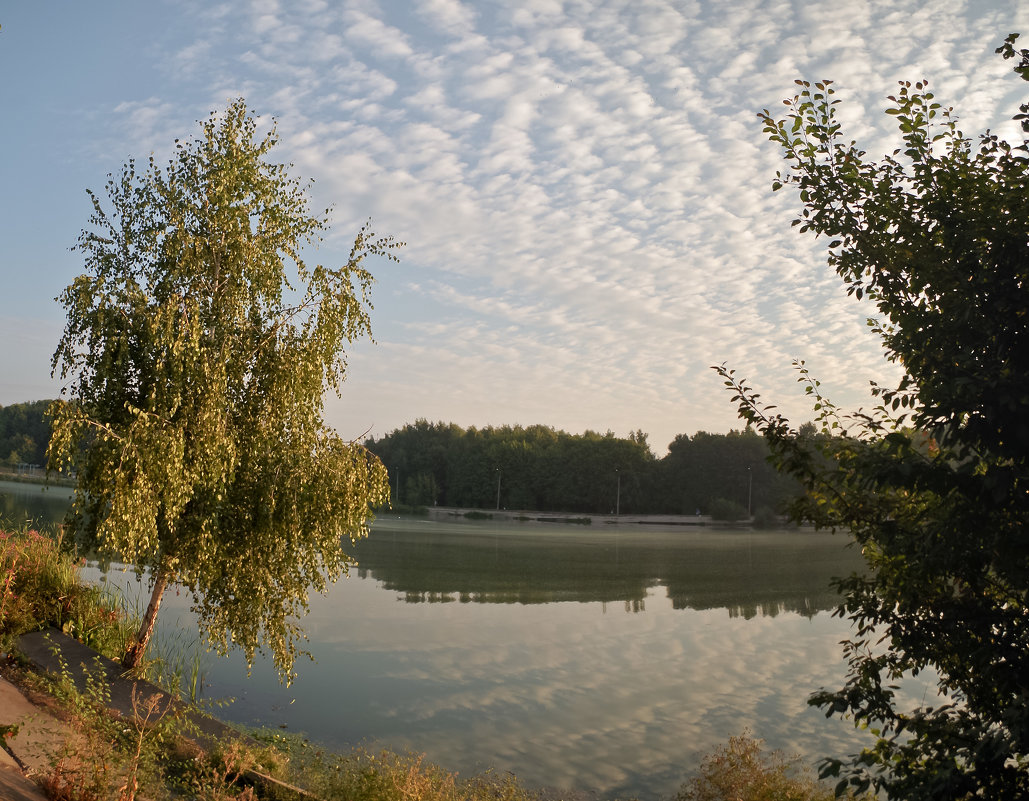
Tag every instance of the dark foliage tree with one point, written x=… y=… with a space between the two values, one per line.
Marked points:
x=541 y=469
x=24 y=433
x=934 y=482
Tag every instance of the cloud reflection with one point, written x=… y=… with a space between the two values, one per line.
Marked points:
x=572 y=694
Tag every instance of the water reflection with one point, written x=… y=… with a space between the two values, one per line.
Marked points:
x=600 y=659
x=747 y=573
x=33 y=504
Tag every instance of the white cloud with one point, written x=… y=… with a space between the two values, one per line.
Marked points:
x=371 y=33
x=584 y=187
x=449 y=16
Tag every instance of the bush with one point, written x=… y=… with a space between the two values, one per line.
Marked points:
x=741 y=771
x=765 y=517
x=729 y=511
x=364 y=775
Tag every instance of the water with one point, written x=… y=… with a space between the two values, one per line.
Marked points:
x=593 y=658
x=34 y=504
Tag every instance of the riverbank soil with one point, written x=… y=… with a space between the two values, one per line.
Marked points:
x=42 y=735
x=28 y=753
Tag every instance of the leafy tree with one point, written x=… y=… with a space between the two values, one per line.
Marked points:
x=933 y=482
x=24 y=432
x=733 y=467
x=198 y=346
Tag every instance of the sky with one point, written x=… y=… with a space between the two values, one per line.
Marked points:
x=584 y=188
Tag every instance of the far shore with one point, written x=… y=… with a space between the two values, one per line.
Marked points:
x=37 y=476
x=584 y=518
x=507 y=515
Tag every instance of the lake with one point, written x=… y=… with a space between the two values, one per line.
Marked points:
x=597 y=658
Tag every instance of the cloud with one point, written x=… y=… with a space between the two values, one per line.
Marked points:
x=449 y=16
x=584 y=188
x=372 y=33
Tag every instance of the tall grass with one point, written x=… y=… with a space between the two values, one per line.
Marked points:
x=364 y=775
x=40 y=586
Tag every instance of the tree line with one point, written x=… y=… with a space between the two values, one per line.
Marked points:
x=24 y=433
x=538 y=468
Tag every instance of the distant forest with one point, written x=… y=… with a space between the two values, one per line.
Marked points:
x=535 y=468
x=540 y=469
x=24 y=433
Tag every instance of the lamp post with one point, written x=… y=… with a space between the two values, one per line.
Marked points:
x=498 y=488
x=618 y=494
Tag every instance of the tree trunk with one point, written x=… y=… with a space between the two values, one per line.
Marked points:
x=137 y=647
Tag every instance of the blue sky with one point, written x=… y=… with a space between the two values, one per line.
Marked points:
x=584 y=187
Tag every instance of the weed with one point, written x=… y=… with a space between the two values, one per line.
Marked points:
x=118 y=758
x=741 y=770
x=176 y=664
x=40 y=586
x=363 y=775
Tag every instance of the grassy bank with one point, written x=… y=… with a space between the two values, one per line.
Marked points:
x=143 y=753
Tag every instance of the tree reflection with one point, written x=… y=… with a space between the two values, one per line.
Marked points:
x=748 y=574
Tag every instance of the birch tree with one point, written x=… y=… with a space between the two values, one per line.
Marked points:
x=198 y=346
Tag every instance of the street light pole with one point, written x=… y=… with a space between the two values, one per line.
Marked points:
x=618 y=494
x=498 y=488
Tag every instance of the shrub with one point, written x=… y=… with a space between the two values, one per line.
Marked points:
x=741 y=770
x=765 y=517
x=729 y=511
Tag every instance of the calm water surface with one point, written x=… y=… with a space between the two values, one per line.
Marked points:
x=594 y=657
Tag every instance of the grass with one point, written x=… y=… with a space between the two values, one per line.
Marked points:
x=365 y=775
x=40 y=587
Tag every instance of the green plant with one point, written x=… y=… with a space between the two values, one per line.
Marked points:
x=175 y=662
x=931 y=482
x=741 y=770
x=765 y=518
x=146 y=715
x=363 y=775
x=87 y=766
x=198 y=348
x=40 y=584
x=141 y=754
x=726 y=510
